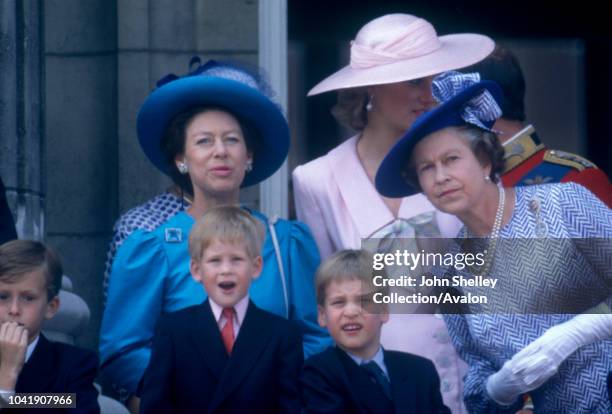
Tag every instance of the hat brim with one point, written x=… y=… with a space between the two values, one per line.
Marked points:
x=239 y=99
x=457 y=51
x=390 y=180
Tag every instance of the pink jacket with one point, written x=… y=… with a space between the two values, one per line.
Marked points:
x=335 y=197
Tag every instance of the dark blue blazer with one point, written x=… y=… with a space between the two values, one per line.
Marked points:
x=190 y=371
x=333 y=383
x=57 y=367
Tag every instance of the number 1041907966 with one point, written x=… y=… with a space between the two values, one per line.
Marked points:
x=39 y=400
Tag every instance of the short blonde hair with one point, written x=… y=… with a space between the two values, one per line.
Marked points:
x=227 y=224
x=345 y=265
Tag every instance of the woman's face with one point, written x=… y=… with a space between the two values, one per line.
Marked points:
x=449 y=173
x=399 y=104
x=215 y=153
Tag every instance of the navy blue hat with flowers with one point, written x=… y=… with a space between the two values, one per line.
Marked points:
x=464 y=99
x=227 y=86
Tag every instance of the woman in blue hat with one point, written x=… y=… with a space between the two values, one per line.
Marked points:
x=548 y=246
x=213 y=131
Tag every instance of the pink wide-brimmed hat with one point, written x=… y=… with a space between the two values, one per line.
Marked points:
x=401 y=47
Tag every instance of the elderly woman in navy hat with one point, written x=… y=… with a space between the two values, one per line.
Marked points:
x=213 y=131
x=526 y=338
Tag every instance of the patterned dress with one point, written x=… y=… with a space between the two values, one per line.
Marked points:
x=146 y=216
x=574 y=269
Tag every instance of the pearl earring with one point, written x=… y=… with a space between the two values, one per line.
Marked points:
x=248 y=166
x=183 y=168
x=487 y=178
x=369 y=104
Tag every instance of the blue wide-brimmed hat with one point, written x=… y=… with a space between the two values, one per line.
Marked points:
x=227 y=86
x=464 y=99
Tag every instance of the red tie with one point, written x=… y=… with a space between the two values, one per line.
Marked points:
x=227 y=333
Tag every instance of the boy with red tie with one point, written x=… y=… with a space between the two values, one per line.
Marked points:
x=225 y=355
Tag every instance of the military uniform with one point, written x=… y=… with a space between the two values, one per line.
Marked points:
x=529 y=162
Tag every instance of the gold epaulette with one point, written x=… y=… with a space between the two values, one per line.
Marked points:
x=520 y=148
x=568 y=159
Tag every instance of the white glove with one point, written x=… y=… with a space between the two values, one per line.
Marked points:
x=537 y=362
x=533 y=362
x=504 y=386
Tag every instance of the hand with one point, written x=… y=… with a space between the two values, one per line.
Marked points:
x=133 y=404
x=13 y=345
x=504 y=386
x=539 y=360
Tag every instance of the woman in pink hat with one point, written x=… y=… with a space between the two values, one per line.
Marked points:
x=385 y=87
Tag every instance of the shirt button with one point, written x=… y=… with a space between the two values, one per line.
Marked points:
x=443 y=361
x=442 y=337
x=446 y=385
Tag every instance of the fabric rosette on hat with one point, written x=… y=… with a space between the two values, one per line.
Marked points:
x=401 y=47
x=464 y=99
x=223 y=85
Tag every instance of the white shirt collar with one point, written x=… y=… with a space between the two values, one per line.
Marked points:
x=527 y=130
x=31 y=347
x=240 y=309
x=379 y=358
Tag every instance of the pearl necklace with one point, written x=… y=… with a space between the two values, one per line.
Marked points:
x=494 y=235
x=499 y=214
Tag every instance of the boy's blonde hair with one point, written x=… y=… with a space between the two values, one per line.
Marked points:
x=227 y=224
x=346 y=265
x=20 y=257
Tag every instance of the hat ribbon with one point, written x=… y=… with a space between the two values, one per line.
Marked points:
x=481 y=108
x=417 y=39
x=195 y=68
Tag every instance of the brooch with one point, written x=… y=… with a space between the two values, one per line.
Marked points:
x=174 y=235
x=541 y=230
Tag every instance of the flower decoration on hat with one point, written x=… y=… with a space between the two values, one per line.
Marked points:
x=476 y=111
x=231 y=70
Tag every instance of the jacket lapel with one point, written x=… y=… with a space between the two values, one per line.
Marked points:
x=41 y=369
x=365 y=206
x=252 y=340
x=360 y=385
x=211 y=347
x=401 y=381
